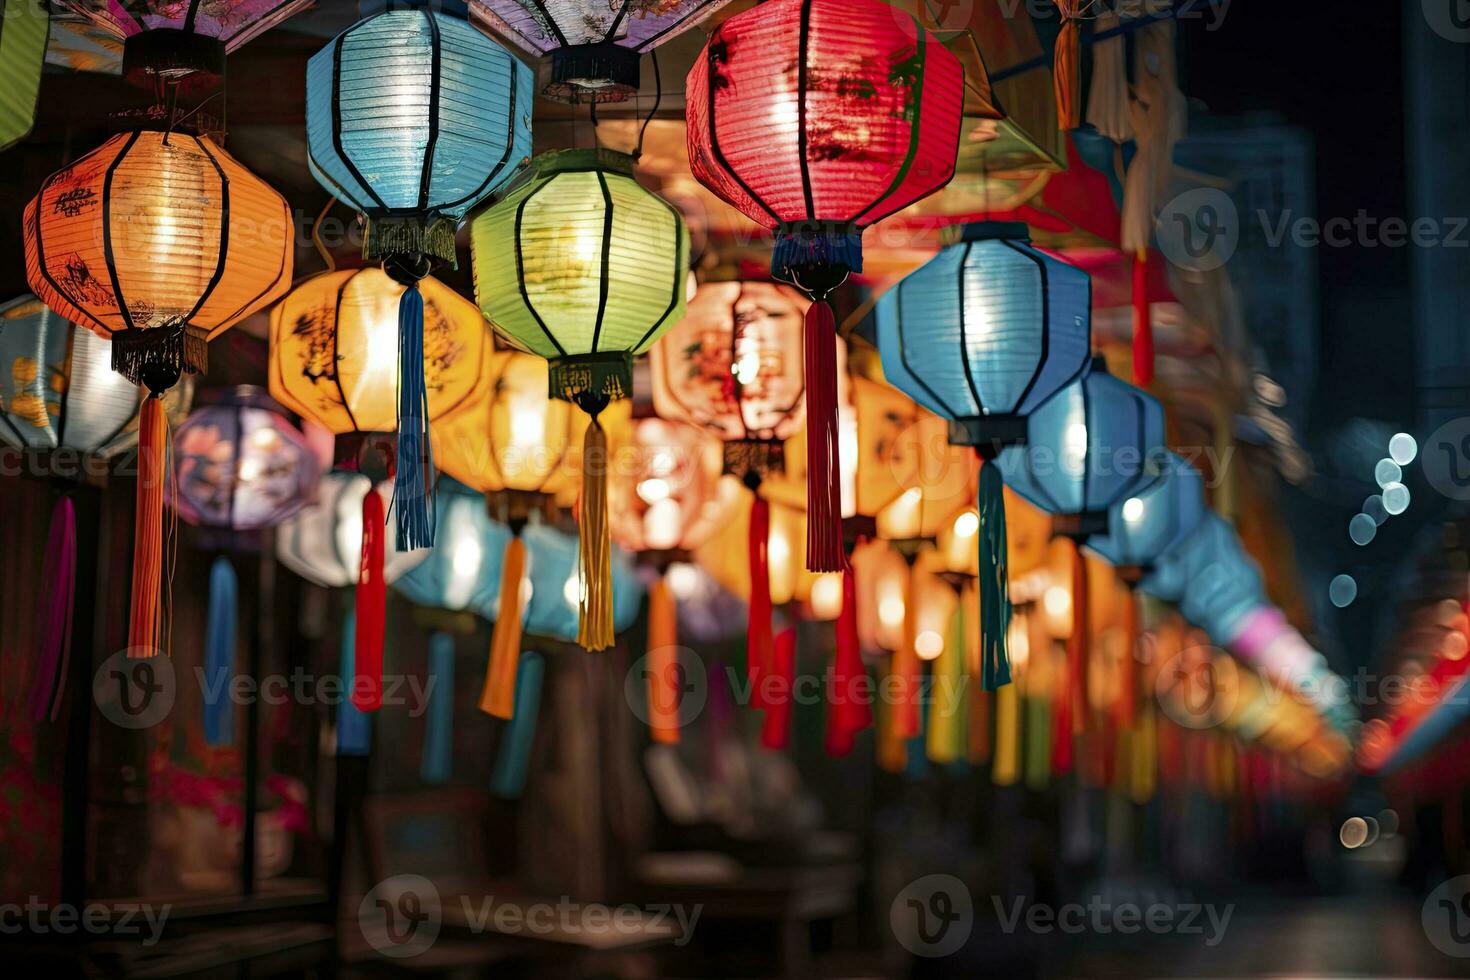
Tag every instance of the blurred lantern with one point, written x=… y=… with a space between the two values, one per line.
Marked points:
x=594 y=44
x=1215 y=583
x=1092 y=446
x=167 y=40
x=463 y=570
x=413 y=118
x=556 y=587
x=983 y=334
x=817 y=118
x=159 y=241
x=24 y=27
x=733 y=365
x=59 y=396
x=323 y=541
x=600 y=272
x=239 y=465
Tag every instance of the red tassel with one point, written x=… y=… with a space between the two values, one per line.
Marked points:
x=1077 y=647
x=847 y=712
x=1143 y=326
x=758 y=625
x=776 y=726
x=147 y=597
x=823 y=488
x=367 y=668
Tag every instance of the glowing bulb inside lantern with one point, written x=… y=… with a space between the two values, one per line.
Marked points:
x=827 y=596
x=466 y=559
x=748 y=367
x=1133 y=510
x=928 y=645
x=661 y=524
x=572 y=590
x=654 y=490
x=1076 y=439
x=683 y=580
x=265 y=438
x=967 y=524
x=527 y=428
x=250 y=469
x=1058 y=601
x=891 y=611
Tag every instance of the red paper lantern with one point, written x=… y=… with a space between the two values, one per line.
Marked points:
x=817 y=118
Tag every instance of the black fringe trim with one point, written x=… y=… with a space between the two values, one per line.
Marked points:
x=599 y=376
x=754 y=457
x=156 y=357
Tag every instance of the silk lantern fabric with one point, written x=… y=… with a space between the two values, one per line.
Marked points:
x=1214 y=582
x=816 y=118
x=413 y=118
x=553 y=608
x=24 y=28
x=594 y=44
x=159 y=241
x=58 y=389
x=733 y=365
x=334 y=350
x=462 y=570
x=582 y=266
x=323 y=541
x=1144 y=527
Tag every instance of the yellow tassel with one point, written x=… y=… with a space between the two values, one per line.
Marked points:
x=663 y=665
x=498 y=697
x=1006 y=768
x=595 y=572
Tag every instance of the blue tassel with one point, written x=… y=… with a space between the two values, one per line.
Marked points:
x=514 y=758
x=413 y=488
x=995 y=597
x=436 y=763
x=354 y=728
x=219 y=653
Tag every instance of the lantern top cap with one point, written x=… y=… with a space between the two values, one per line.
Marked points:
x=1099 y=365
x=573 y=161
x=985 y=231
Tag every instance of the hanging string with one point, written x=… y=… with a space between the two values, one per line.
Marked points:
x=995 y=602
x=513 y=759
x=758 y=635
x=1128 y=675
x=147 y=586
x=354 y=729
x=662 y=665
x=316 y=238
x=776 y=726
x=824 y=551
x=1143 y=326
x=1067 y=63
x=658 y=96
x=436 y=764
x=1078 y=654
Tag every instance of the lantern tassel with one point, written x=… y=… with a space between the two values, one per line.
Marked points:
x=436 y=764
x=596 y=629
x=147 y=595
x=1067 y=65
x=413 y=487
x=776 y=726
x=59 y=572
x=498 y=696
x=662 y=665
x=1078 y=653
x=758 y=637
x=354 y=729
x=907 y=669
x=367 y=664
x=847 y=714
x=995 y=600
x=219 y=653
x=155 y=357
x=1143 y=327
x=823 y=488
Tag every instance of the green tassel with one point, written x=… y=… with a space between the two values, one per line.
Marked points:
x=995 y=600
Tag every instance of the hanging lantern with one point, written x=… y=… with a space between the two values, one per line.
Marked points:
x=167 y=40
x=817 y=118
x=413 y=118
x=24 y=28
x=667 y=496
x=159 y=241
x=1144 y=527
x=1091 y=447
x=982 y=335
x=323 y=541
x=594 y=44
x=1216 y=584
x=462 y=571
x=556 y=588
x=600 y=272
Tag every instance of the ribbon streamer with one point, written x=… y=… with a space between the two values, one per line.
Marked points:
x=219 y=653
x=497 y=697
x=437 y=762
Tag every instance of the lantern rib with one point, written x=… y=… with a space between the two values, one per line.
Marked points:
x=607 y=233
x=560 y=37
x=904 y=357
x=714 y=137
x=40 y=241
x=613 y=28
x=1087 y=449
x=734 y=343
x=802 y=137
x=426 y=177
x=281 y=277
x=71 y=336
x=337 y=128
x=680 y=274
x=915 y=128
x=521 y=270
x=224 y=232
x=1045 y=319
x=107 y=255
x=191 y=15
x=510 y=145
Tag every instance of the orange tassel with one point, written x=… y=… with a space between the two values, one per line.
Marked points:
x=498 y=696
x=906 y=670
x=664 y=681
x=144 y=633
x=1067 y=65
x=1128 y=674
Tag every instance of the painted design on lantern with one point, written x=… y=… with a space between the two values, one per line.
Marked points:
x=30 y=403
x=71 y=204
x=208 y=474
x=317 y=327
x=78 y=281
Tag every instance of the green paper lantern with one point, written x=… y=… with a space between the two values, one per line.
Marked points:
x=24 y=28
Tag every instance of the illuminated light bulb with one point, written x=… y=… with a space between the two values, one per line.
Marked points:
x=967 y=524
x=654 y=490
x=683 y=579
x=1058 y=602
x=661 y=523
x=1133 y=510
x=250 y=469
x=467 y=557
x=527 y=427
x=662 y=463
x=912 y=497
x=928 y=645
x=827 y=596
x=587 y=248
x=748 y=367
x=572 y=590
x=265 y=439
x=779 y=549
x=891 y=611
x=1076 y=438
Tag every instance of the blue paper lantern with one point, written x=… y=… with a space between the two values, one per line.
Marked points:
x=1210 y=577
x=413 y=117
x=462 y=571
x=1145 y=526
x=552 y=566
x=1090 y=447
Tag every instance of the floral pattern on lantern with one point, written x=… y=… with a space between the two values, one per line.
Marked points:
x=24 y=29
x=240 y=464
x=594 y=44
x=323 y=541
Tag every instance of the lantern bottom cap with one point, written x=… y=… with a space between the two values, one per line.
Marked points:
x=1081 y=526
x=754 y=459
x=427 y=236
x=157 y=357
x=593 y=73
x=816 y=255
x=587 y=379
x=988 y=432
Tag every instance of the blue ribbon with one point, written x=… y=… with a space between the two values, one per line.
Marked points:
x=219 y=653
x=437 y=761
x=413 y=490
x=354 y=728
